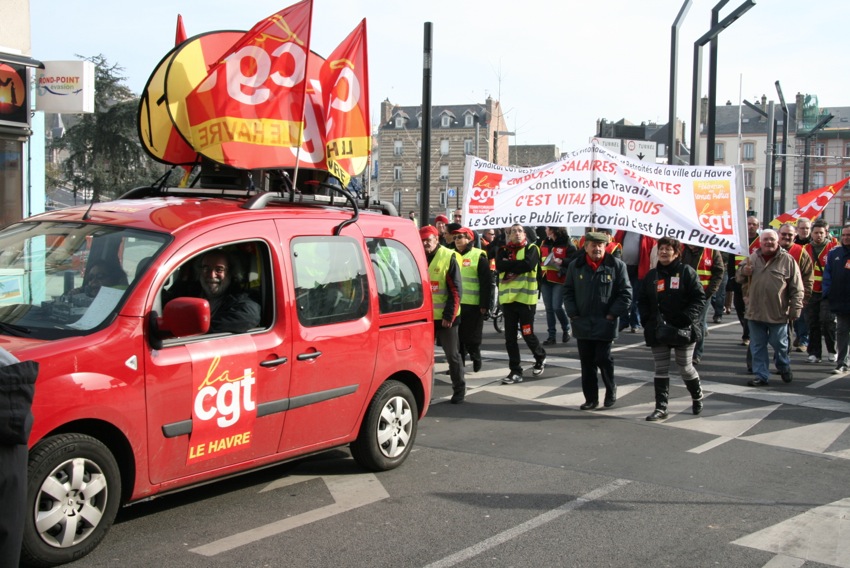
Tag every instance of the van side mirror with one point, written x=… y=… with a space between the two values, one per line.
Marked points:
x=182 y=317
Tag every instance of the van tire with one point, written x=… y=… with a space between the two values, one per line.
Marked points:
x=388 y=429
x=86 y=474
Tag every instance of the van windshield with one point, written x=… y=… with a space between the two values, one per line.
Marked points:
x=59 y=279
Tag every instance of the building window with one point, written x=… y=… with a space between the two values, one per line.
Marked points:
x=467 y=146
x=749 y=179
x=443 y=199
x=818 y=179
x=719 y=151
x=397 y=173
x=398 y=148
x=847 y=150
x=399 y=122
x=418 y=198
x=419 y=173
x=444 y=172
x=468 y=120
x=820 y=151
x=420 y=121
x=397 y=199
x=446 y=121
x=749 y=152
x=444 y=147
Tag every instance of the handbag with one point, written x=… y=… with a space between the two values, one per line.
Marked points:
x=670 y=334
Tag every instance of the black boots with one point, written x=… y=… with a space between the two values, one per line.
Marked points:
x=662 y=388
x=696 y=394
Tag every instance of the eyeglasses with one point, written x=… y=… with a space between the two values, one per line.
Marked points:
x=216 y=269
x=784 y=235
x=459 y=237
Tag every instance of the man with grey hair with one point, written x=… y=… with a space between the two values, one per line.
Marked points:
x=773 y=291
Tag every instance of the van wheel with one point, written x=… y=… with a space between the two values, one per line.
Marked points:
x=73 y=495
x=388 y=430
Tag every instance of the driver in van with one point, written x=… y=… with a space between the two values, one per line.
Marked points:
x=231 y=309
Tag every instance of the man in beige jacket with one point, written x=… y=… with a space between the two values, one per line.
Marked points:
x=773 y=291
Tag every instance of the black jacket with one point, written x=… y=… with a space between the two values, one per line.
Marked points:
x=680 y=301
x=592 y=296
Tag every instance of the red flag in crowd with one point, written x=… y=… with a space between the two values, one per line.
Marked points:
x=344 y=78
x=248 y=111
x=811 y=204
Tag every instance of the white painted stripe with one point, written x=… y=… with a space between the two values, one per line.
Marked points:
x=785 y=562
x=823 y=382
x=730 y=424
x=810 y=438
x=348 y=491
x=817 y=535
x=531 y=524
x=710 y=445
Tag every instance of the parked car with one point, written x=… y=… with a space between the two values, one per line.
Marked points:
x=138 y=395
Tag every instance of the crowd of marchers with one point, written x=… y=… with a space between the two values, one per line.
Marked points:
x=793 y=283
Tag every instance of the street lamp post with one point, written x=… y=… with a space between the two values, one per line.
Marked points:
x=674 y=62
x=784 y=150
x=770 y=162
x=807 y=146
x=696 y=111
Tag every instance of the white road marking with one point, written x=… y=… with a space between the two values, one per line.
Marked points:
x=818 y=535
x=784 y=562
x=531 y=524
x=730 y=424
x=348 y=491
x=810 y=438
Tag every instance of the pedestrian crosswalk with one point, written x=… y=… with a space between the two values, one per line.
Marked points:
x=732 y=412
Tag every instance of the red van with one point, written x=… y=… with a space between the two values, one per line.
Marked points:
x=187 y=335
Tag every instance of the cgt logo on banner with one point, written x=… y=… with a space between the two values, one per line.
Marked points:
x=593 y=187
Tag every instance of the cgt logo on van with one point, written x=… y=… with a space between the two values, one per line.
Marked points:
x=485 y=186
x=223 y=410
x=713 y=201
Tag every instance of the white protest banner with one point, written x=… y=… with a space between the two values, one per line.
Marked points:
x=592 y=187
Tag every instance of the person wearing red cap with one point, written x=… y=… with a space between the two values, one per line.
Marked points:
x=475 y=300
x=440 y=221
x=446 y=289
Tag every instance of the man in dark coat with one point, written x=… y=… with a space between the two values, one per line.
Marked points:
x=17 y=388
x=596 y=294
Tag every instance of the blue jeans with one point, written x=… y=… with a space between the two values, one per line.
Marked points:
x=718 y=300
x=801 y=330
x=553 y=300
x=762 y=333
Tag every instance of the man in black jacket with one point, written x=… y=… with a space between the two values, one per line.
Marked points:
x=596 y=294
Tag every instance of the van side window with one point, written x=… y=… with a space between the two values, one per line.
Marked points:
x=234 y=279
x=330 y=280
x=397 y=275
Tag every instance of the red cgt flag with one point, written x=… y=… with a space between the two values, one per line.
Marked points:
x=811 y=204
x=344 y=78
x=248 y=112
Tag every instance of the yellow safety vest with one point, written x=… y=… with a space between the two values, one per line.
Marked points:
x=437 y=271
x=469 y=275
x=704 y=268
x=522 y=288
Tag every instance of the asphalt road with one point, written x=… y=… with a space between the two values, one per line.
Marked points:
x=518 y=476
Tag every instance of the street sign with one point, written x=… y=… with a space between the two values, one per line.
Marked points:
x=640 y=150
x=610 y=144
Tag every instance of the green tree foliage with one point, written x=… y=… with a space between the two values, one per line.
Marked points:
x=105 y=156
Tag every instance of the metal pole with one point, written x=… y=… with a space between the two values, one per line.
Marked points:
x=425 y=158
x=768 y=186
x=696 y=104
x=783 y=149
x=807 y=145
x=711 y=119
x=674 y=63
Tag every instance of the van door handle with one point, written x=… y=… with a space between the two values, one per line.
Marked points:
x=274 y=362
x=309 y=356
